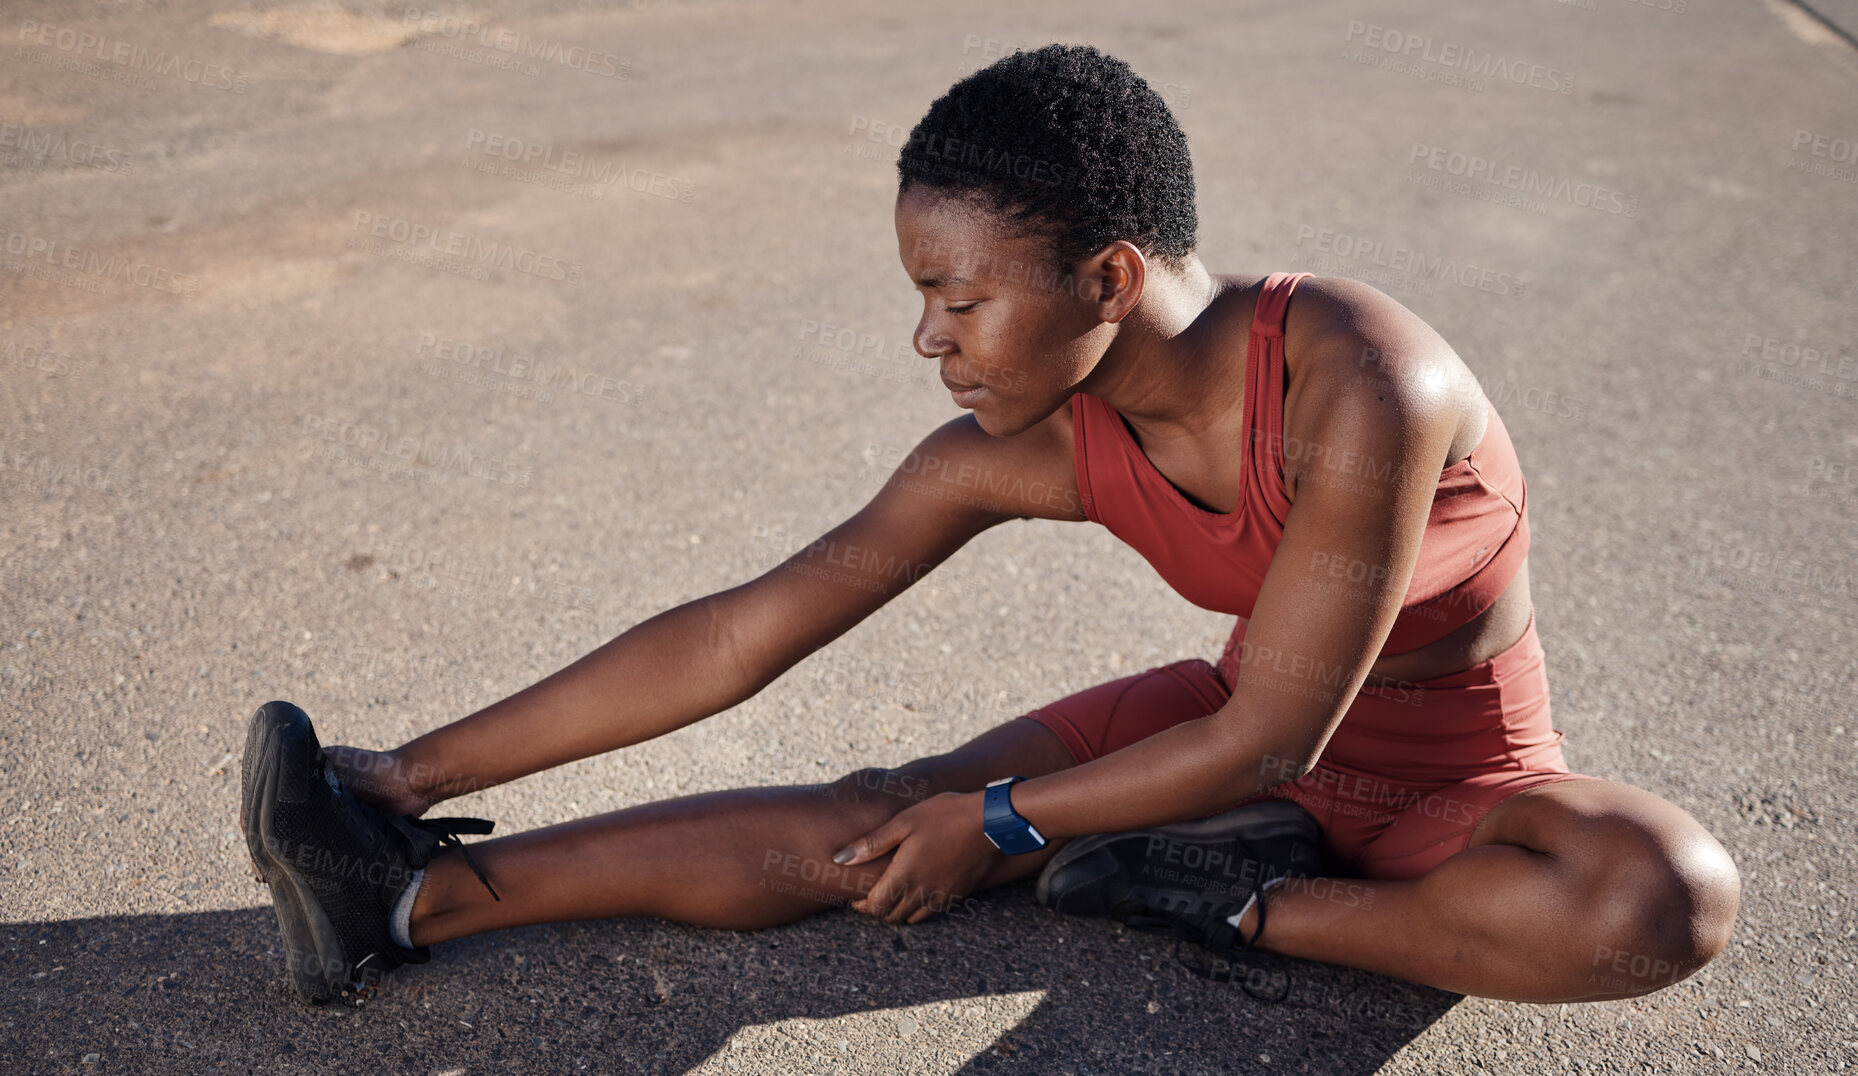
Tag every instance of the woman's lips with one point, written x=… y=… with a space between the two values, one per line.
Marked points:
x=964 y=393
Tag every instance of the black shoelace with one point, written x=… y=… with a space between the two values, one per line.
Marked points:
x=447 y=831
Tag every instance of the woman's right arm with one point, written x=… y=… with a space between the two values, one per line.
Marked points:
x=710 y=654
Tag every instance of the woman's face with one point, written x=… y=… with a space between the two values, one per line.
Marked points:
x=996 y=313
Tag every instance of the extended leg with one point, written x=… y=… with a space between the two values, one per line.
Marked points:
x=739 y=859
x=1577 y=891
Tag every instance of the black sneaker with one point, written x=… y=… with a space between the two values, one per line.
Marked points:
x=336 y=866
x=1187 y=879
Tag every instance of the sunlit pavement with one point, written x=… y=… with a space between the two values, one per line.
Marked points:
x=387 y=359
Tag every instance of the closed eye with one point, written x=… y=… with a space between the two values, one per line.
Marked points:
x=963 y=309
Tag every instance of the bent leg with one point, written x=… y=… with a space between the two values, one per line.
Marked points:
x=1575 y=891
x=739 y=859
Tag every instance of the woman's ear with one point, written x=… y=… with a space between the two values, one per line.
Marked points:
x=1120 y=273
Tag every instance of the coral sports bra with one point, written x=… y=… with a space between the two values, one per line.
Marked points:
x=1476 y=536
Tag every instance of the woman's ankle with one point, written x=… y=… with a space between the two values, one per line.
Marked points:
x=435 y=915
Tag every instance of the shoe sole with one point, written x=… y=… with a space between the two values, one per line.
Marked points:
x=312 y=949
x=1251 y=822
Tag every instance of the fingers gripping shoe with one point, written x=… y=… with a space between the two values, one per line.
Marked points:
x=1188 y=880
x=337 y=867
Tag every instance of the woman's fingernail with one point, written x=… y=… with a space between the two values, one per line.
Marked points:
x=844 y=856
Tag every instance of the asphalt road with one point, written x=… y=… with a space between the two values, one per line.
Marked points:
x=210 y=284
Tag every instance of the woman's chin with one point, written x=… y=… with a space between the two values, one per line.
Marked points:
x=1000 y=421
x=987 y=415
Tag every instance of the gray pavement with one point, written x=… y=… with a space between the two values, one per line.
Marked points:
x=211 y=282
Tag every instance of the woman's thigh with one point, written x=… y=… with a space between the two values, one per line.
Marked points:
x=1057 y=736
x=1434 y=824
x=1068 y=732
x=1112 y=715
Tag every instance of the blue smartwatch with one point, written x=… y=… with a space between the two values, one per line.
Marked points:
x=1003 y=825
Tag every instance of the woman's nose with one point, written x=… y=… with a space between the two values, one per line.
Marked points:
x=929 y=342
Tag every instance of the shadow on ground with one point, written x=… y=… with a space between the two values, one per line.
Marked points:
x=206 y=992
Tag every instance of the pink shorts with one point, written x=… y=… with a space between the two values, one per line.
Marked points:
x=1409 y=773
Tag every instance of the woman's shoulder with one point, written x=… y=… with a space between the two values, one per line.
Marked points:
x=1349 y=345
x=1339 y=331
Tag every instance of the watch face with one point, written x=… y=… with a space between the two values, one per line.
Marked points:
x=1019 y=842
x=1003 y=826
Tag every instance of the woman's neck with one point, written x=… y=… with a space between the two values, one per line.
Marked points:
x=1164 y=371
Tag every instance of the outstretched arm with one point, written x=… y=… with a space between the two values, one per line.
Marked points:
x=708 y=655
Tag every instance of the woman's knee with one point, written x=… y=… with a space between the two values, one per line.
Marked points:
x=1648 y=894
x=799 y=863
x=1695 y=892
x=1663 y=899
x=877 y=792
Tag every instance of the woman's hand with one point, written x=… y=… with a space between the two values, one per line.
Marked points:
x=379 y=779
x=942 y=854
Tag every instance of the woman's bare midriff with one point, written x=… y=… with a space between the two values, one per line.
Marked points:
x=1488 y=634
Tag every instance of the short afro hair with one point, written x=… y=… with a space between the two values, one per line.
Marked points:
x=1067 y=143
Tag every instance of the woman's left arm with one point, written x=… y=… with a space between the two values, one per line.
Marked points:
x=1369 y=452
